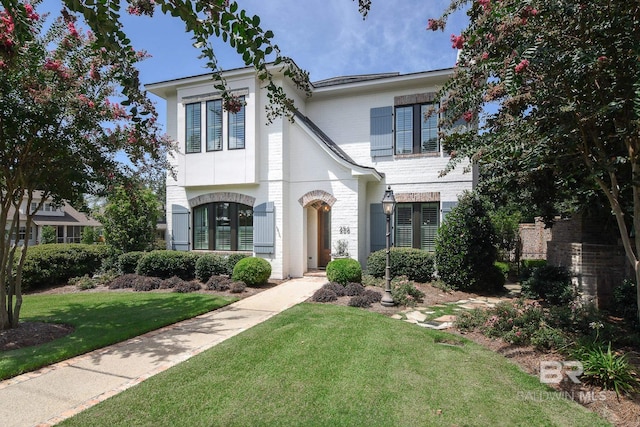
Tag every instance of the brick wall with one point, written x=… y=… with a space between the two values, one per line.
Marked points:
x=596 y=269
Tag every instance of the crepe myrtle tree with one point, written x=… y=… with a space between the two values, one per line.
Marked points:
x=60 y=128
x=561 y=79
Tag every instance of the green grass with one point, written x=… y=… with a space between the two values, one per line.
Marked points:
x=100 y=319
x=326 y=365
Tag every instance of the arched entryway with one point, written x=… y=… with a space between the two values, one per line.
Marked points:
x=318 y=205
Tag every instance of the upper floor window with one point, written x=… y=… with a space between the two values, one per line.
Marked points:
x=414 y=133
x=193 y=130
x=214 y=125
x=236 y=128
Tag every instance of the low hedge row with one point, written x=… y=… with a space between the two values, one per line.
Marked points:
x=56 y=263
x=415 y=264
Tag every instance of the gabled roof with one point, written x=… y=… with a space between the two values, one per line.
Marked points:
x=334 y=150
x=352 y=79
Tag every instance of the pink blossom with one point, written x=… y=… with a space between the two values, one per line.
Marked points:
x=485 y=56
x=602 y=58
x=522 y=66
x=2 y=64
x=467 y=116
x=457 y=42
x=485 y=4
x=52 y=65
x=435 y=24
x=31 y=14
x=72 y=29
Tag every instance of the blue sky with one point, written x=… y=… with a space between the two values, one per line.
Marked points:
x=328 y=38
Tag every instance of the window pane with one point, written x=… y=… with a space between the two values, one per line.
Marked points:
x=404 y=130
x=236 y=128
x=245 y=228
x=429 y=130
x=201 y=227
x=404 y=227
x=193 y=134
x=223 y=227
x=428 y=225
x=214 y=125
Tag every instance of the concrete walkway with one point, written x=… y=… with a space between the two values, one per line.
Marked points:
x=57 y=392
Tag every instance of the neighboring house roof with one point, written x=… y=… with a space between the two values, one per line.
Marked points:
x=334 y=150
x=71 y=217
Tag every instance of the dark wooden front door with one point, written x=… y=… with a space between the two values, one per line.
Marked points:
x=324 y=235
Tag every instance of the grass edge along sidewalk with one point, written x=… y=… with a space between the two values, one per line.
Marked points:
x=99 y=320
x=330 y=365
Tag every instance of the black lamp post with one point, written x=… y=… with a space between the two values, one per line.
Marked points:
x=388 y=206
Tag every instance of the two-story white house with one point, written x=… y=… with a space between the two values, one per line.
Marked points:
x=294 y=192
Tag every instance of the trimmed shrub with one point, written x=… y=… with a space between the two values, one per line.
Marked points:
x=553 y=284
x=171 y=282
x=186 y=287
x=145 y=284
x=231 y=261
x=218 y=283
x=252 y=271
x=372 y=296
x=126 y=281
x=55 y=264
x=528 y=265
x=465 y=249
x=416 y=264
x=237 y=287
x=548 y=338
x=336 y=287
x=209 y=265
x=360 y=301
x=128 y=262
x=324 y=295
x=353 y=289
x=165 y=264
x=344 y=270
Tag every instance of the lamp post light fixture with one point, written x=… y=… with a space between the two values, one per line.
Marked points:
x=388 y=206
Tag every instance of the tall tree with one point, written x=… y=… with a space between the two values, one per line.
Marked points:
x=60 y=129
x=130 y=218
x=562 y=79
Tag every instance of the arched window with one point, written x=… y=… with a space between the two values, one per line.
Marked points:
x=223 y=226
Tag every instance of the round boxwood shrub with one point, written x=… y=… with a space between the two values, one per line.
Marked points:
x=252 y=271
x=232 y=260
x=344 y=270
x=552 y=284
x=165 y=264
x=128 y=262
x=465 y=250
x=416 y=264
x=209 y=265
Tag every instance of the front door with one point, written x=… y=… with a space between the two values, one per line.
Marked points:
x=324 y=235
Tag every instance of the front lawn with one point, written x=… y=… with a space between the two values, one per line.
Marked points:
x=100 y=319
x=321 y=365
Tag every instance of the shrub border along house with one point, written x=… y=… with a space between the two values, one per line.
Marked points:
x=415 y=264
